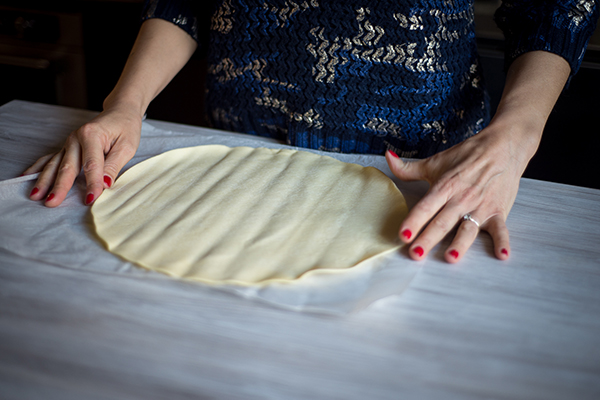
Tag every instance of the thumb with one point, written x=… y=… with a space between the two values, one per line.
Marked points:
x=405 y=170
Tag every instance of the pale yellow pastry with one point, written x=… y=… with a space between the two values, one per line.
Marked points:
x=244 y=215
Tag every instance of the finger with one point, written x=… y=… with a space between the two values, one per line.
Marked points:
x=465 y=236
x=423 y=212
x=497 y=229
x=426 y=208
x=435 y=231
x=68 y=170
x=39 y=165
x=407 y=171
x=92 y=159
x=47 y=176
x=119 y=155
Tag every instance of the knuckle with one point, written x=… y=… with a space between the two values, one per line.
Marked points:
x=90 y=166
x=46 y=159
x=51 y=166
x=111 y=168
x=62 y=185
x=425 y=206
x=441 y=224
x=43 y=181
x=471 y=193
x=88 y=130
x=94 y=187
x=66 y=167
x=446 y=186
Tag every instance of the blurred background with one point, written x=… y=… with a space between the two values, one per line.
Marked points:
x=71 y=52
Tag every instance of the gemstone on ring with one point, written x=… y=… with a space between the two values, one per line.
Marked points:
x=467 y=217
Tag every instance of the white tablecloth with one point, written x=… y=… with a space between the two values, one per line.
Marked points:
x=76 y=322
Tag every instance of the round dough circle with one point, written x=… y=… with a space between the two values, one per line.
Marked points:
x=248 y=215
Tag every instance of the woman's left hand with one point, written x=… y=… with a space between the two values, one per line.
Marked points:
x=480 y=177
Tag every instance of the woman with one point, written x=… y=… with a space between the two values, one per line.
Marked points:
x=383 y=77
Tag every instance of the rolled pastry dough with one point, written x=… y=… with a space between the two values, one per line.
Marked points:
x=245 y=216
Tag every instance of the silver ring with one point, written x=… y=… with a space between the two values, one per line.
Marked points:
x=467 y=217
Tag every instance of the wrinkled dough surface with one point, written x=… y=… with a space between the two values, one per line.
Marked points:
x=244 y=215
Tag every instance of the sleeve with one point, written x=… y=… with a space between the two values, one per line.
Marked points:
x=562 y=27
x=182 y=13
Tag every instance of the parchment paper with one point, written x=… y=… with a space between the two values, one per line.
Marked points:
x=65 y=237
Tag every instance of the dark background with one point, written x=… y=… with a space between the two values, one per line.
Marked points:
x=569 y=152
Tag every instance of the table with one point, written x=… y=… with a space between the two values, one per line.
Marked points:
x=75 y=324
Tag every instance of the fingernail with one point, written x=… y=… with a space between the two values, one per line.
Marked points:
x=393 y=154
x=34 y=191
x=454 y=254
x=407 y=234
x=50 y=197
x=418 y=251
x=107 y=181
x=89 y=199
x=504 y=251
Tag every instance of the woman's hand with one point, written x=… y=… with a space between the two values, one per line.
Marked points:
x=480 y=176
x=101 y=147
x=104 y=145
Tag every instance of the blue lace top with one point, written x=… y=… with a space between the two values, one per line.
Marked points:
x=362 y=76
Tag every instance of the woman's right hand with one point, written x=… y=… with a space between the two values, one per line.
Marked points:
x=101 y=147
x=104 y=145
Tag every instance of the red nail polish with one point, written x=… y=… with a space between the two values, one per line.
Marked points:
x=89 y=198
x=108 y=180
x=34 y=191
x=454 y=254
x=407 y=234
x=504 y=251
x=419 y=251
x=394 y=154
x=50 y=197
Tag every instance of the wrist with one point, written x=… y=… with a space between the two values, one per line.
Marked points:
x=518 y=133
x=123 y=101
x=533 y=84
